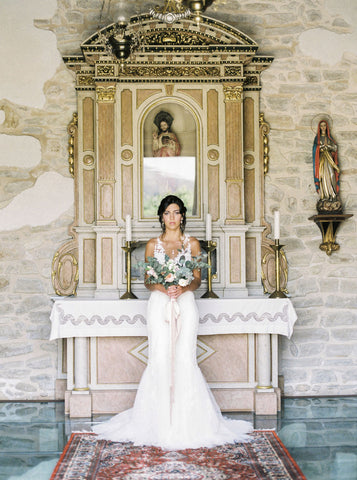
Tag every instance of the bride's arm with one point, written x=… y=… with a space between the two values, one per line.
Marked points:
x=195 y=252
x=149 y=252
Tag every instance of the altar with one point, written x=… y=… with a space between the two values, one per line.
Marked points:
x=104 y=348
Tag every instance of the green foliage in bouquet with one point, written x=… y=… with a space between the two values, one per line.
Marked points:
x=172 y=272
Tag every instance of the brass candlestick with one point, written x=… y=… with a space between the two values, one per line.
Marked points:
x=129 y=247
x=209 y=246
x=278 y=293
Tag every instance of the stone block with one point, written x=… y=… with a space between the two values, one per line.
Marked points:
x=234 y=400
x=60 y=388
x=266 y=403
x=80 y=405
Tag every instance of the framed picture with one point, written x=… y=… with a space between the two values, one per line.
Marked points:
x=170 y=158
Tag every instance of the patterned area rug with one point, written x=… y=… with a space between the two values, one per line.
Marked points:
x=265 y=457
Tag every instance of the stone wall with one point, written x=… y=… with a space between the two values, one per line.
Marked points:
x=314 y=73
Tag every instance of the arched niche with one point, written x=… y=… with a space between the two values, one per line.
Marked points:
x=170 y=161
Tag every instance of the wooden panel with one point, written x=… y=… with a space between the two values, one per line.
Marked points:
x=212 y=118
x=126 y=118
x=249 y=195
x=89 y=260
x=235 y=260
x=142 y=95
x=106 y=141
x=229 y=363
x=107 y=261
x=106 y=201
x=213 y=191
x=251 y=259
x=234 y=200
x=89 y=196
x=127 y=190
x=233 y=140
x=88 y=124
x=248 y=122
x=196 y=94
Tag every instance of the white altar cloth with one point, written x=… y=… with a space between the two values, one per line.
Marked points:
x=79 y=317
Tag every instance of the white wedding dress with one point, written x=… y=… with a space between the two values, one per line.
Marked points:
x=189 y=416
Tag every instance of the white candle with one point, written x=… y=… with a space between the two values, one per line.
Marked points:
x=208 y=227
x=276 y=224
x=128 y=228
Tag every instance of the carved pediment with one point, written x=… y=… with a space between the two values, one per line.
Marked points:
x=180 y=50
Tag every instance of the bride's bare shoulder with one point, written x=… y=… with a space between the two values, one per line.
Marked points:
x=195 y=244
x=150 y=246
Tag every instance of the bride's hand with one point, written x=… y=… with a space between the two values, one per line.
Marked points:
x=174 y=291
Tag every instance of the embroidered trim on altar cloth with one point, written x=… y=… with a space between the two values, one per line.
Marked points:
x=209 y=317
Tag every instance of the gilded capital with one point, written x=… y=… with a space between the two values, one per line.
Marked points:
x=106 y=94
x=233 y=93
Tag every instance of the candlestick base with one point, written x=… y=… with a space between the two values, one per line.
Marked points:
x=129 y=247
x=209 y=294
x=278 y=293
x=209 y=246
x=128 y=295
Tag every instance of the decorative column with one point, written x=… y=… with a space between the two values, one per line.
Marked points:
x=264 y=362
x=106 y=226
x=235 y=229
x=106 y=154
x=80 y=401
x=234 y=153
x=81 y=365
x=267 y=398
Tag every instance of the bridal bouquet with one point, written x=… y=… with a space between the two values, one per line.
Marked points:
x=172 y=272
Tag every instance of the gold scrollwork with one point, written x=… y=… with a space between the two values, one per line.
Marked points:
x=106 y=94
x=186 y=71
x=268 y=268
x=85 y=80
x=233 y=71
x=166 y=37
x=105 y=71
x=72 y=130
x=251 y=80
x=65 y=270
x=264 y=139
x=232 y=93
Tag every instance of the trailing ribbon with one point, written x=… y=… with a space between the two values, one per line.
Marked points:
x=173 y=318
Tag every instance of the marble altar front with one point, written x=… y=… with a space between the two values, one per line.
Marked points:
x=103 y=351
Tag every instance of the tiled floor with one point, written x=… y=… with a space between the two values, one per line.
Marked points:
x=320 y=433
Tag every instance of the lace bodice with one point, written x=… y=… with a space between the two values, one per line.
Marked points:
x=159 y=250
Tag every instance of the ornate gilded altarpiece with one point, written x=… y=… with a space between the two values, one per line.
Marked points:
x=208 y=77
x=212 y=73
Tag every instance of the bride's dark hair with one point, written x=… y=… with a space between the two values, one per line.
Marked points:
x=166 y=202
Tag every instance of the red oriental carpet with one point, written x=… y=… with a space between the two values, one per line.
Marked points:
x=265 y=457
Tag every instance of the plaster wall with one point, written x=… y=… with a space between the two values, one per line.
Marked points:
x=314 y=73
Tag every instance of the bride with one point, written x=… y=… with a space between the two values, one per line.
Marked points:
x=174 y=408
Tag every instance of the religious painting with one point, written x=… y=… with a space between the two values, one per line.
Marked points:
x=169 y=162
